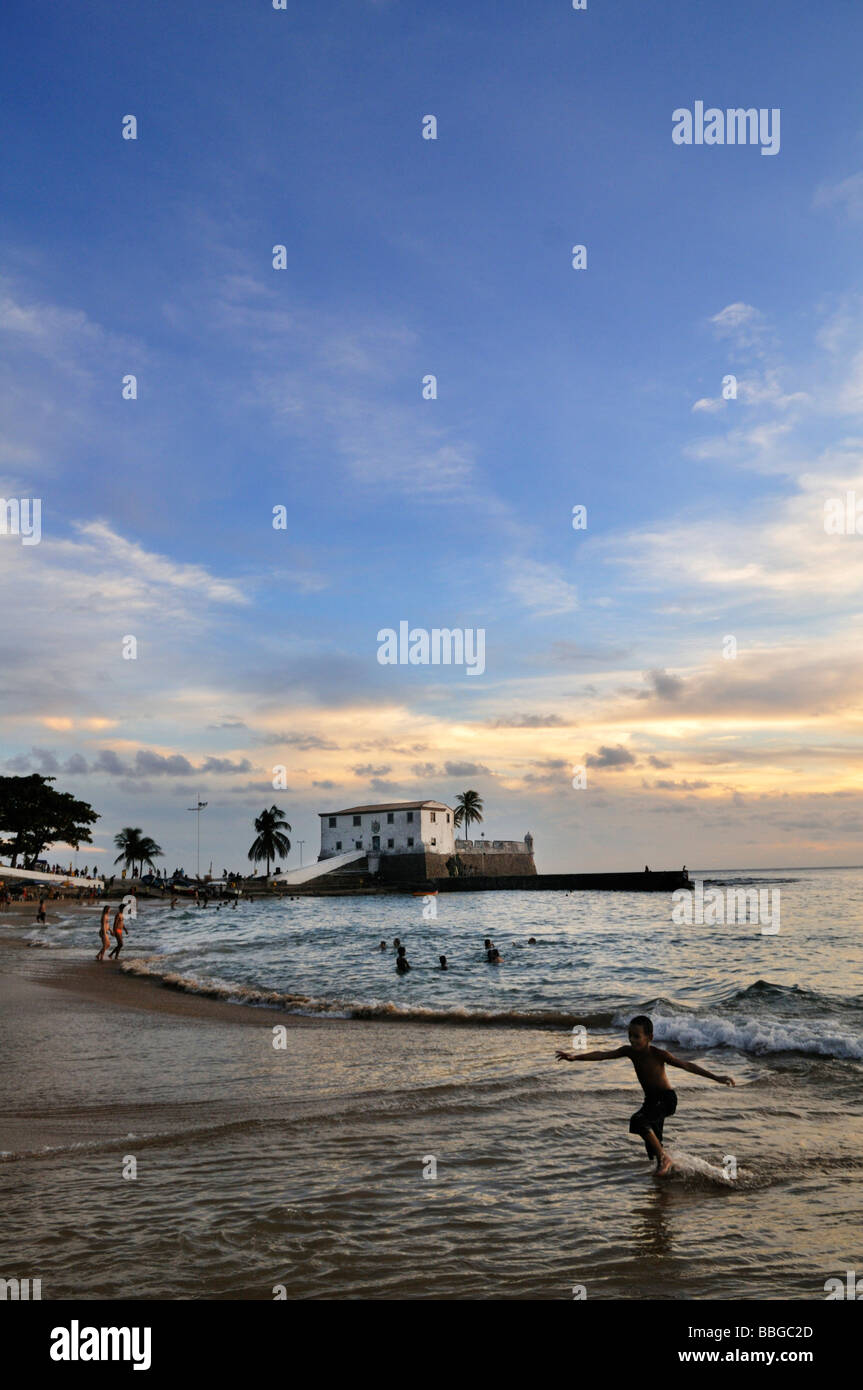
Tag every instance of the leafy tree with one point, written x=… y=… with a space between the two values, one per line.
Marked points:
x=468 y=808
x=135 y=848
x=34 y=815
x=270 y=842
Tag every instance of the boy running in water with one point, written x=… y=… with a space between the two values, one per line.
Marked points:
x=659 y=1099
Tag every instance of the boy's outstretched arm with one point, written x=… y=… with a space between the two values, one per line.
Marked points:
x=591 y=1056
x=673 y=1061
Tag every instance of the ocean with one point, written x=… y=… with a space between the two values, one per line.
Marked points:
x=414 y=1136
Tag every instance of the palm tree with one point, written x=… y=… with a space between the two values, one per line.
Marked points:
x=135 y=848
x=468 y=809
x=148 y=850
x=270 y=843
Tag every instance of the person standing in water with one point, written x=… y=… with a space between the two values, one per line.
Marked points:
x=103 y=931
x=660 y=1101
x=118 y=929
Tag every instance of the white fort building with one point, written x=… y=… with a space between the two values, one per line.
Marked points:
x=403 y=839
x=401 y=827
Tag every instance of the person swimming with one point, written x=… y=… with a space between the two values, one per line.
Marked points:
x=443 y=964
x=531 y=941
x=383 y=946
x=494 y=956
x=402 y=965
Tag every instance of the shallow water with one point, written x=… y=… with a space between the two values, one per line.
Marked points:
x=304 y=1167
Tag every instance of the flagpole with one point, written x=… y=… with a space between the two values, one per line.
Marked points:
x=198 y=808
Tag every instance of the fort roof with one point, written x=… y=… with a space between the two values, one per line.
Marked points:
x=388 y=806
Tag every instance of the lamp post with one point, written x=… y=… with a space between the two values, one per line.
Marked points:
x=301 y=843
x=198 y=808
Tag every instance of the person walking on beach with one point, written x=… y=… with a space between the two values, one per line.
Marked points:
x=103 y=931
x=118 y=929
x=40 y=915
x=660 y=1100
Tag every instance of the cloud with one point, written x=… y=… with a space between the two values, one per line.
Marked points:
x=740 y=322
x=847 y=195
x=677 y=786
x=530 y=721
x=301 y=741
x=565 y=653
x=108 y=761
x=545 y=771
x=756 y=391
x=666 y=685
x=466 y=769
x=540 y=587
x=613 y=758
x=344 y=387
x=146 y=764
x=153 y=572
x=225 y=765
x=369 y=770
x=157 y=765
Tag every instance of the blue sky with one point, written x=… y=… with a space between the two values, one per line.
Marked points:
x=303 y=388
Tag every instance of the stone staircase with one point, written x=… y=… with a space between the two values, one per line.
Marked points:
x=350 y=879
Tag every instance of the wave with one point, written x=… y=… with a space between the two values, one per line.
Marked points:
x=758 y=1034
x=756 y=1031
x=153 y=967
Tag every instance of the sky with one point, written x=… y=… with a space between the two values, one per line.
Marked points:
x=607 y=647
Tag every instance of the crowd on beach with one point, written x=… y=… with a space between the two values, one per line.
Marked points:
x=18 y=892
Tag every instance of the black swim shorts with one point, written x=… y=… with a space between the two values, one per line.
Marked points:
x=657 y=1105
